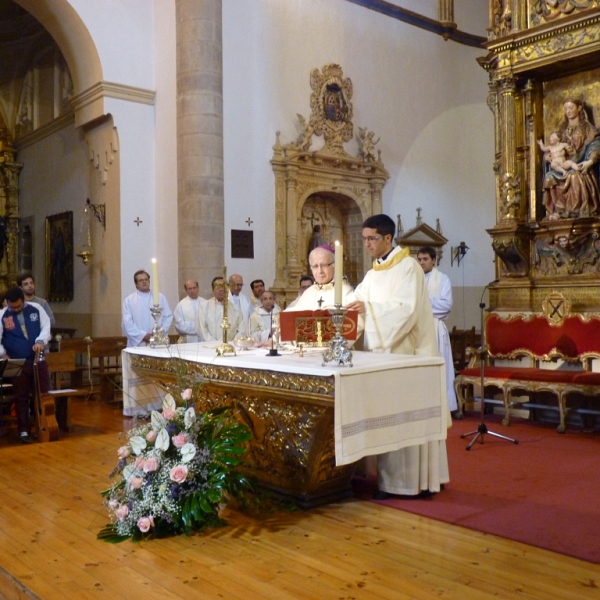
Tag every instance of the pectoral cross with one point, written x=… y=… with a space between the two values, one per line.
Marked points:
x=320 y=301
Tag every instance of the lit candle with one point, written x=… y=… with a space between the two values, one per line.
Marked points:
x=339 y=272
x=155 y=282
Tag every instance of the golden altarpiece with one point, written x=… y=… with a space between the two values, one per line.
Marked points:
x=9 y=210
x=324 y=195
x=544 y=91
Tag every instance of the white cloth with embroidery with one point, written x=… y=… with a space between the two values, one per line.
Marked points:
x=185 y=319
x=310 y=299
x=260 y=323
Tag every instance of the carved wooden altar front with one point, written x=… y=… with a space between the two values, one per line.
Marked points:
x=325 y=186
x=544 y=80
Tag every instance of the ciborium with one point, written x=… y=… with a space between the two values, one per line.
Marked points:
x=158 y=337
x=338 y=350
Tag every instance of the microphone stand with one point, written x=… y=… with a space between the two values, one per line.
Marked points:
x=482 y=429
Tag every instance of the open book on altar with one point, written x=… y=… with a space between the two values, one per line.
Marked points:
x=302 y=325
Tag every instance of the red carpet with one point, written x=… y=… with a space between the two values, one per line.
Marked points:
x=544 y=492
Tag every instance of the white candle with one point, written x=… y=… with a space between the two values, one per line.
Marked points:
x=155 y=282
x=339 y=272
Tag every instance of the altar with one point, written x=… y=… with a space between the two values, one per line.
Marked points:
x=310 y=423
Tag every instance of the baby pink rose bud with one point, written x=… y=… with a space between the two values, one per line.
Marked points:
x=144 y=524
x=121 y=512
x=168 y=413
x=124 y=452
x=186 y=394
x=151 y=436
x=179 y=441
x=178 y=474
x=151 y=464
x=136 y=483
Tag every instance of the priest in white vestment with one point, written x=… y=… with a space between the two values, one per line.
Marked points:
x=210 y=315
x=185 y=313
x=137 y=322
x=261 y=320
x=321 y=295
x=399 y=320
x=242 y=303
x=439 y=289
x=258 y=287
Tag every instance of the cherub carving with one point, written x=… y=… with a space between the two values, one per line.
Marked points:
x=366 y=144
x=305 y=142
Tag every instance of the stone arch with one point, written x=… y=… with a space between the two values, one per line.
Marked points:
x=71 y=35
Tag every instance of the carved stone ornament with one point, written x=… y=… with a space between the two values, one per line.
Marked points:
x=510 y=252
x=331 y=107
x=567 y=254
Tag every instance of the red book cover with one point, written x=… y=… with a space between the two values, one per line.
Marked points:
x=301 y=325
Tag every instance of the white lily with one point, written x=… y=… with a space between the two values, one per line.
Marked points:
x=169 y=402
x=189 y=417
x=157 y=420
x=162 y=440
x=138 y=444
x=188 y=452
x=128 y=472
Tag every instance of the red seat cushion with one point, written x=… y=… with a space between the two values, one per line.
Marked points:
x=525 y=373
x=587 y=378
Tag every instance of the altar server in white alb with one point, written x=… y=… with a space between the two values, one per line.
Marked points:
x=261 y=320
x=210 y=315
x=439 y=289
x=137 y=322
x=185 y=313
x=321 y=294
x=399 y=320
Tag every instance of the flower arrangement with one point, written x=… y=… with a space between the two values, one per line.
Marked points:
x=175 y=472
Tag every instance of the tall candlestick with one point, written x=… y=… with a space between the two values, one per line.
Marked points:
x=155 y=282
x=339 y=272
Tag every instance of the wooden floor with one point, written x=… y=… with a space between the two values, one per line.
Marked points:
x=51 y=511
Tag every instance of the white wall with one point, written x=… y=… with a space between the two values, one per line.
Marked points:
x=55 y=179
x=425 y=97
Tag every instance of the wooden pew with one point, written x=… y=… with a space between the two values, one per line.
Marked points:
x=105 y=354
x=60 y=363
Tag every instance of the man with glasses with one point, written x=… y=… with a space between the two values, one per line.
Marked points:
x=321 y=294
x=399 y=320
x=137 y=322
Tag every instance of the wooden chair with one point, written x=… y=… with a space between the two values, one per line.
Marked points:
x=59 y=364
x=105 y=354
x=460 y=340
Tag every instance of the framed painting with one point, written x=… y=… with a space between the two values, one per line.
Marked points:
x=59 y=257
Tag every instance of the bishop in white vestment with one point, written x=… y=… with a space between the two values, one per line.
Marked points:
x=399 y=320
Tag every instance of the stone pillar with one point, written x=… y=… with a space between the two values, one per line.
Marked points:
x=200 y=201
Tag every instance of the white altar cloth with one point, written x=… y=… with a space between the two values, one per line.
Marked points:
x=384 y=403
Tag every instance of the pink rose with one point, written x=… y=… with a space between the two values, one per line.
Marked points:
x=179 y=441
x=151 y=464
x=139 y=462
x=178 y=474
x=136 y=482
x=144 y=523
x=168 y=413
x=121 y=512
x=186 y=394
x=112 y=504
x=124 y=451
x=151 y=436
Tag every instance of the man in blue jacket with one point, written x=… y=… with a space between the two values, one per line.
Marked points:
x=24 y=331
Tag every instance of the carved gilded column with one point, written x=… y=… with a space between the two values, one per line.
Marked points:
x=200 y=200
x=293 y=264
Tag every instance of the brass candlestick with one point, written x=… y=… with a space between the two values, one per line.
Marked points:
x=225 y=347
x=338 y=350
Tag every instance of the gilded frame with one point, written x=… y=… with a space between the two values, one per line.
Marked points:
x=59 y=257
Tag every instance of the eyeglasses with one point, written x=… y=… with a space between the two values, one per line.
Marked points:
x=142 y=279
x=315 y=267
x=372 y=238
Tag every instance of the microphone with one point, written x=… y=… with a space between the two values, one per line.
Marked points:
x=273 y=350
x=481 y=302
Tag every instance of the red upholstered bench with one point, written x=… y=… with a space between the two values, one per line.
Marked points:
x=573 y=339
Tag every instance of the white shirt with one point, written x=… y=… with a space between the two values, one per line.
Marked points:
x=185 y=319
